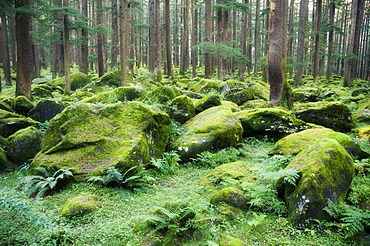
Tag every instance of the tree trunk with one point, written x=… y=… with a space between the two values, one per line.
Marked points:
x=222 y=26
x=123 y=40
x=60 y=46
x=114 y=34
x=5 y=45
x=154 y=40
x=330 y=41
x=317 y=40
x=276 y=51
x=184 y=58
x=243 y=43
x=84 y=65
x=100 y=50
x=67 y=53
x=194 y=33
x=303 y=17
x=208 y=39
x=168 y=38
x=256 y=36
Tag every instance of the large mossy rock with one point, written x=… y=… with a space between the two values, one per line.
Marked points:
x=92 y=138
x=228 y=174
x=205 y=86
x=239 y=95
x=162 y=95
x=78 y=80
x=5 y=164
x=24 y=144
x=231 y=196
x=45 y=110
x=42 y=91
x=181 y=109
x=295 y=143
x=209 y=101
x=271 y=122
x=326 y=172
x=22 y=105
x=363 y=132
x=211 y=130
x=80 y=205
x=11 y=123
x=306 y=95
x=334 y=115
x=119 y=94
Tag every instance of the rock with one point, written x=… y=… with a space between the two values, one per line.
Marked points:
x=79 y=80
x=5 y=106
x=271 y=122
x=205 y=86
x=5 y=164
x=80 y=205
x=326 y=171
x=211 y=130
x=260 y=89
x=110 y=79
x=11 y=122
x=363 y=132
x=334 y=115
x=231 y=241
x=255 y=104
x=306 y=95
x=119 y=94
x=231 y=196
x=22 y=105
x=91 y=138
x=210 y=100
x=239 y=95
x=363 y=116
x=295 y=143
x=228 y=174
x=42 y=91
x=40 y=80
x=24 y=144
x=233 y=106
x=162 y=95
x=181 y=109
x=45 y=110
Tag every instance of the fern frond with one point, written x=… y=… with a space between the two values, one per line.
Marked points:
x=96 y=180
x=43 y=170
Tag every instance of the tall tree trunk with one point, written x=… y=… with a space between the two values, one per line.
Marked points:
x=100 y=51
x=256 y=36
x=208 y=39
x=123 y=40
x=13 y=42
x=317 y=39
x=168 y=45
x=114 y=34
x=5 y=45
x=194 y=33
x=154 y=40
x=243 y=43
x=184 y=58
x=303 y=17
x=60 y=46
x=290 y=32
x=222 y=26
x=84 y=65
x=276 y=52
x=22 y=25
x=67 y=53
x=331 y=36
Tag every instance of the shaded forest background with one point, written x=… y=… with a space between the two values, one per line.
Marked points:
x=319 y=38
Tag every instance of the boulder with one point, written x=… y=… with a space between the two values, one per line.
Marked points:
x=260 y=89
x=5 y=106
x=211 y=130
x=5 y=164
x=24 y=145
x=78 y=80
x=11 y=122
x=42 y=91
x=162 y=95
x=271 y=122
x=181 y=109
x=363 y=132
x=119 y=94
x=362 y=116
x=205 y=86
x=334 y=115
x=45 y=110
x=91 y=138
x=239 y=95
x=255 y=104
x=110 y=79
x=22 y=105
x=306 y=95
x=295 y=143
x=228 y=174
x=231 y=196
x=210 y=100
x=326 y=172
x=80 y=205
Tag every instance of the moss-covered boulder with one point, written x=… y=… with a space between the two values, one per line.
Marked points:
x=213 y=129
x=363 y=132
x=306 y=95
x=205 y=86
x=334 y=115
x=295 y=143
x=362 y=116
x=110 y=79
x=42 y=91
x=78 y=80
x=228 y=174
x=239 y=95
x=271 y=122
x=326 y=172
x=255 y=104
x=210 y=100
x=80 y=205
x=233 y=106
x=162 y=95
x=260 y=89
x=5 y=164
x=119 y=94
x=22 y=105
x=231 y=196
x=92 y=138
x=181 y=109
x=24 y=144
x=11 y=122
x=5 y=106
x=231 y=241
x=45 y=110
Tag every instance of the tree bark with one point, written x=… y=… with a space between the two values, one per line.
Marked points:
x=84 y=65
x=22 y=22
x=5 y=45
x=194 y=33
x=168 y=38
x=114 y=34
x=331 y=36
x=303 y=17
x=67 y=53
x=317 y=40
x=123 y=40
x=208 y=29
x=154 y=40
x=100 y=51
x=184 y=58
x=256 y=36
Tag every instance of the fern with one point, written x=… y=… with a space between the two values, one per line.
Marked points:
x=290 y=175
x=168 y=163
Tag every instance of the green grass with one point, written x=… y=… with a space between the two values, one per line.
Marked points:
x=37 y=221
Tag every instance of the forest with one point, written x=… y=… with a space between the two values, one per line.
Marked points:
x=184 y=122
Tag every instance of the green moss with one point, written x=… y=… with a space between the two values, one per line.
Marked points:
x=22 y=105
x=239 y=95
x=5 y=164
x=210 y=100
x=326 y=171
x=231 y=241
x=11 y=122
x=181 y=109
x=228 y=174
x=162 y=95
x=205 y=86
x=80 y=205
x=295 y=143
x=231 y=196
x=79 y=80
x=364 y=132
